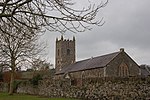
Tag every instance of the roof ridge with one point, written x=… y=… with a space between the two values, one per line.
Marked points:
x=97 y=56
x=107 y=54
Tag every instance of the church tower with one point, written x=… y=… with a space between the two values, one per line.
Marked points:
x=65 y=53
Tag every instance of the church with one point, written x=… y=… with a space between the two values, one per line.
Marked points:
x=116 y=64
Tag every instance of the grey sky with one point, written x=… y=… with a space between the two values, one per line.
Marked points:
x=127 y=25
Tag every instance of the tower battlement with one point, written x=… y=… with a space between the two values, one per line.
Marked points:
x=62 y=39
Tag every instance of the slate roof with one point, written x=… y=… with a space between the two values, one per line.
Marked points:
x=92 y=63
x=145 y=70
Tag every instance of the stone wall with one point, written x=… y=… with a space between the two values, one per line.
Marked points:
x=27 y=88
x=92 y=89
x=98 y=72
x=4 y=87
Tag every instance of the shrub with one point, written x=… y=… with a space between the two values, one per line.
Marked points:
x=35 y=80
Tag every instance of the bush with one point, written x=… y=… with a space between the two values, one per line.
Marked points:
x=35 y=80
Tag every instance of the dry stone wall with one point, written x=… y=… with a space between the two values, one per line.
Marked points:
x=92 y=89
x=4 y=87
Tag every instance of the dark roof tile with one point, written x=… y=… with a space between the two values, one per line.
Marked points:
x=94 y=62
x=145 y=70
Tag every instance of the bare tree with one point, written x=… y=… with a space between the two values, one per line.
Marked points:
x=17 y=48
x=40 y=64
x=21 y=19
x=55 y=15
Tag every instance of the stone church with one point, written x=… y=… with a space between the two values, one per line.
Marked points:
x=116 y=64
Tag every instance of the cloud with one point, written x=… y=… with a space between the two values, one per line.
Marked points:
x=127 y=25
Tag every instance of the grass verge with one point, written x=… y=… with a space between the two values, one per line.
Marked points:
x=6 y=96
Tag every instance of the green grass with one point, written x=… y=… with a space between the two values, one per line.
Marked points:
x=5 y=96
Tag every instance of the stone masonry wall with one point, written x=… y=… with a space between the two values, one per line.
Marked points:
x=112 y=69
x=92 y=89
x=4 y=87
x=99 y=72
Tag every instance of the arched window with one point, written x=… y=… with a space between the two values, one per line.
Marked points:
x=123 y=70
x=68 y=51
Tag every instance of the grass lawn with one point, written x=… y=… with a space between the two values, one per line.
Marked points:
x=5 y=96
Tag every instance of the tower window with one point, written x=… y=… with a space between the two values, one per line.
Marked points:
x=58 y=52
x=68 y=51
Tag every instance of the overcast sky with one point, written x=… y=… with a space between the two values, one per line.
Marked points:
x=127 y=26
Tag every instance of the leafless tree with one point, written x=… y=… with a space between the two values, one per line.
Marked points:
x=17 y=48
x=40 y=64
x=21 y=19
x=54 y=15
